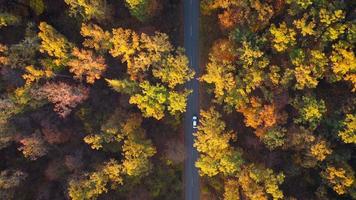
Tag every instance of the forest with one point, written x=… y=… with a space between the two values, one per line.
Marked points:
x=278 y=118
x=93 y=95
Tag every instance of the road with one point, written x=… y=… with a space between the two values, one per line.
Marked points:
x=191 y=44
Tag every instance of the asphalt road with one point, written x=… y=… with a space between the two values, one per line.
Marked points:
x=191 y=44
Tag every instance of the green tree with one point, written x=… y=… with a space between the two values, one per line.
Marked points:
x=125 y=86
x=274 y=137
x=88 y=9
x=7 y=19
x=139 y=8
x=151 y=100
x=38 y=6
x=310 y=110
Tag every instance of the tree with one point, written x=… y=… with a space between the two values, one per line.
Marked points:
x=24 y=53
x=33 y=146
x=125 y=86
x=54 y=44
x=177 y=102
x=174 y=70
x=309 y=69
x=301 y=3
x=212 y=142
x=283 y=37
x=320 y=150
x=220 y=74
x=136 y=149
x=151 y=101
x=8 y=19
x=154 y=100
x=9 y=182
x=125 y=43
x=154 y=52
x=38 y=6
x=223 y=50
x=34 y=75
x=310 y=110
x=344 y=62
x=95 y=37
x=3 y=57
x=65 y=97
x=88 y=10
x=139 y=8
x=52 y=134
x=91 y=185
x=231 y=188
x=339 y=178
x=330 y=21
x=274 y=137
x=85 y=64
x=11 y=178
x=304 y=27
x=348 y=133
x=264 y=118
x=258 y=183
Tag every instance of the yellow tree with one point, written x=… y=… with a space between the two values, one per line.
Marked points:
x=212 y=142
x=340 y=179
x=177 y=101
x=283 y=37
x=85 y=64
x=154 y=51
x=220 y=75
x=54 y=44
x=258 y=183
x=4 y=60
x=320 y=150
x=95 y=37
x=231 y=190
x=348 y=133
x=125 y=43
x=344 y=62
x=92 y=184
x=136 y=148
x=306 y=28
x=33 y=75
x=174 y=70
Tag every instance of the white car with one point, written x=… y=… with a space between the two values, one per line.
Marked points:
x=195 y=121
